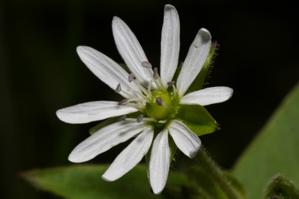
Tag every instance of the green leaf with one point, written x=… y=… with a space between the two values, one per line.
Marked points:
x=274 y=150
x=84 y=182
x=281 y=188
x=197 y=118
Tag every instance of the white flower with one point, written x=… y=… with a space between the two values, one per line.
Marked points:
x=156 y=97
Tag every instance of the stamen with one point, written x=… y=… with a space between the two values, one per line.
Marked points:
x=146 y=64
x=122 y=102
x=118 y=88
x=131 y=77
x=171 y=83
x=156 y=73
x=139 y=118
x=159 y=101
x=157 y=79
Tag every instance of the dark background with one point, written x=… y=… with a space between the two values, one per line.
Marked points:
x=40 y=72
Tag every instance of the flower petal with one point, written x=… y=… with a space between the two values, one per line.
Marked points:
x=104 y=139
x=92 y=111
x=107 y=70
x=207 y=96
x=170 y=44
x=196 y=57
x=184 y=138
x=130 y=50
x=130 y=156
x=159 y=162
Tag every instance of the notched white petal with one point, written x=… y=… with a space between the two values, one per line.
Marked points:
x=196 y=57
x=104 y=139
x=92 y=111
x=130 y=156
x=107 y=70
x=207 y=96
x=159 y=162
x=184 y=138
x=130 y=50
x=170 y=44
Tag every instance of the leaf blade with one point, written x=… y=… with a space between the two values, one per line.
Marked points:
x=274 y=150
x=84 y=182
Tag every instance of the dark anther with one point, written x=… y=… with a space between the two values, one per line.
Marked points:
x=131 y=77
x=146 y=64
x=122 y=102
x=118 y=88
x=171 y=83
x=159 y=101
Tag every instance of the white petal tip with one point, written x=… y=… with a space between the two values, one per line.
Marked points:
x=82 y=51
x=107 y=178
x=230 y=93
x=157 y=191
x=75 y=159
x=116 y=19
x=168 y=7
x=61 y=115
x=79 y=49
x=66 y=117
x=205 y=35
x=193 y=153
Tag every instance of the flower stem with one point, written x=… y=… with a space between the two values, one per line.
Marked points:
x=217 y=175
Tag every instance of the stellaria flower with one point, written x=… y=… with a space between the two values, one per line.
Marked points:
x=155 y=97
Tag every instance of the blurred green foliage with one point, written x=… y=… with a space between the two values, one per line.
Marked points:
x=83 y=182
x=274 y=151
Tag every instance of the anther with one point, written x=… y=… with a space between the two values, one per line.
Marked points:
x=131 y=77
x=156 y=73
x=171 y=83
x=159 y=101
x=118 y=88
x=139 y=118
x=122 y=102
x=146 y=64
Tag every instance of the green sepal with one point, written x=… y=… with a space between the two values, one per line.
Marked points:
x=197 y=118
x=281 y=188
x=201 y=78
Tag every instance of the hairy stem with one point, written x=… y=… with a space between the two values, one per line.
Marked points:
x=218 y=175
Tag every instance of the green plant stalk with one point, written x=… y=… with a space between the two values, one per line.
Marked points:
x=216 y=173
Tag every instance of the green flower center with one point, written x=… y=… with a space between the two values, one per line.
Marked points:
x=162 y=105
